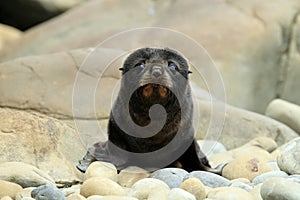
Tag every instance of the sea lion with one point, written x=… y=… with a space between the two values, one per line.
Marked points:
x=152 y=76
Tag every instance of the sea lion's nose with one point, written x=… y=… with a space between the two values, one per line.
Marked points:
x=156 y=71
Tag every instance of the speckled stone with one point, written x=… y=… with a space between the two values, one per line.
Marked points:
x=209 y=179
x=173 y=177
x=248 y=166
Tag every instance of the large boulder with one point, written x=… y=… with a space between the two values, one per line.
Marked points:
x=50 y=84
x=41 y=141
x=253 y=43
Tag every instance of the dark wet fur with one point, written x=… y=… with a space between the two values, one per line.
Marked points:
x=193 y=158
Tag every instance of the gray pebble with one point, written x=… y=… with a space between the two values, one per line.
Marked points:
x=242 y=185
x=209 y=179
x=263 y=177
x=47 y=192
x=173 y=177
x=280 y=188
x=295 y=178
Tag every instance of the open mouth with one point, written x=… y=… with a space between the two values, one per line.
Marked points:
x=153 y=90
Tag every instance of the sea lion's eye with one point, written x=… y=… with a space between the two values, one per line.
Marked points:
x=141 y=64
x=172 y=66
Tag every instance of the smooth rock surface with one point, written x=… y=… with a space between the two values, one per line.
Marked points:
x=180 y=194
x=143 y=188
x=263 y=177
x=254 y=79
x=25 y=193
x=248 y=166
x=228 y=193
x=76 y=197
x=42 y=141
x=256 y=192
x=285 y=112
x=195 y=187
x=127 y=177
x=9 y=189
x=8 y=35
x=295 y=178
x=50 y=192
x=242 y=185
x=280 y=188
x=24 y=174
x=173 y=177
x=101 y=169
x=213 y=147
x=111 y=198
x=209 y=179
x=100 y=186
x=288 y=157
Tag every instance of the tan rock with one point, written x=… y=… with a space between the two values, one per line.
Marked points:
x=127 y=177
x=76 y=197
x=195 y=187
x=6 y=198
x=26 y=192
x=42 y=141
x=8 y=35
x=95 y=197
x=100 y=186
x=227 y=193
x=285 y=112
x=9 y=189
x=24 y=174
x=144 y=187
x=256 y=192
x=101 y=169
x=248 y=166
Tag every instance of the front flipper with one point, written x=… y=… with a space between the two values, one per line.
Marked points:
x=194 y=159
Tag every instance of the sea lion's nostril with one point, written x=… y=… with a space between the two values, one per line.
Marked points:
x=156 y=73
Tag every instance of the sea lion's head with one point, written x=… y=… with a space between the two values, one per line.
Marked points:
x=156 y=72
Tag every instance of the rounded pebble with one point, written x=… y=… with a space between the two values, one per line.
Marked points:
x=47 y=192
x=95 y=197
x=256 y=192
x=280 y=188
x=127 y=177
x=209 y=179
x=180 y=194
x=263 y=177
x=212 y=147
x=76 y=197
x=295 y=178
x=248 y=166
x=173 y=177
x=195 y=187
x=100 y=186
x=288 y=157
x=9 y=189
x=6 y=198
x=101 y=169
x=24 y=193
x=142 y=188
x=242 y=185
x=226 y=193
